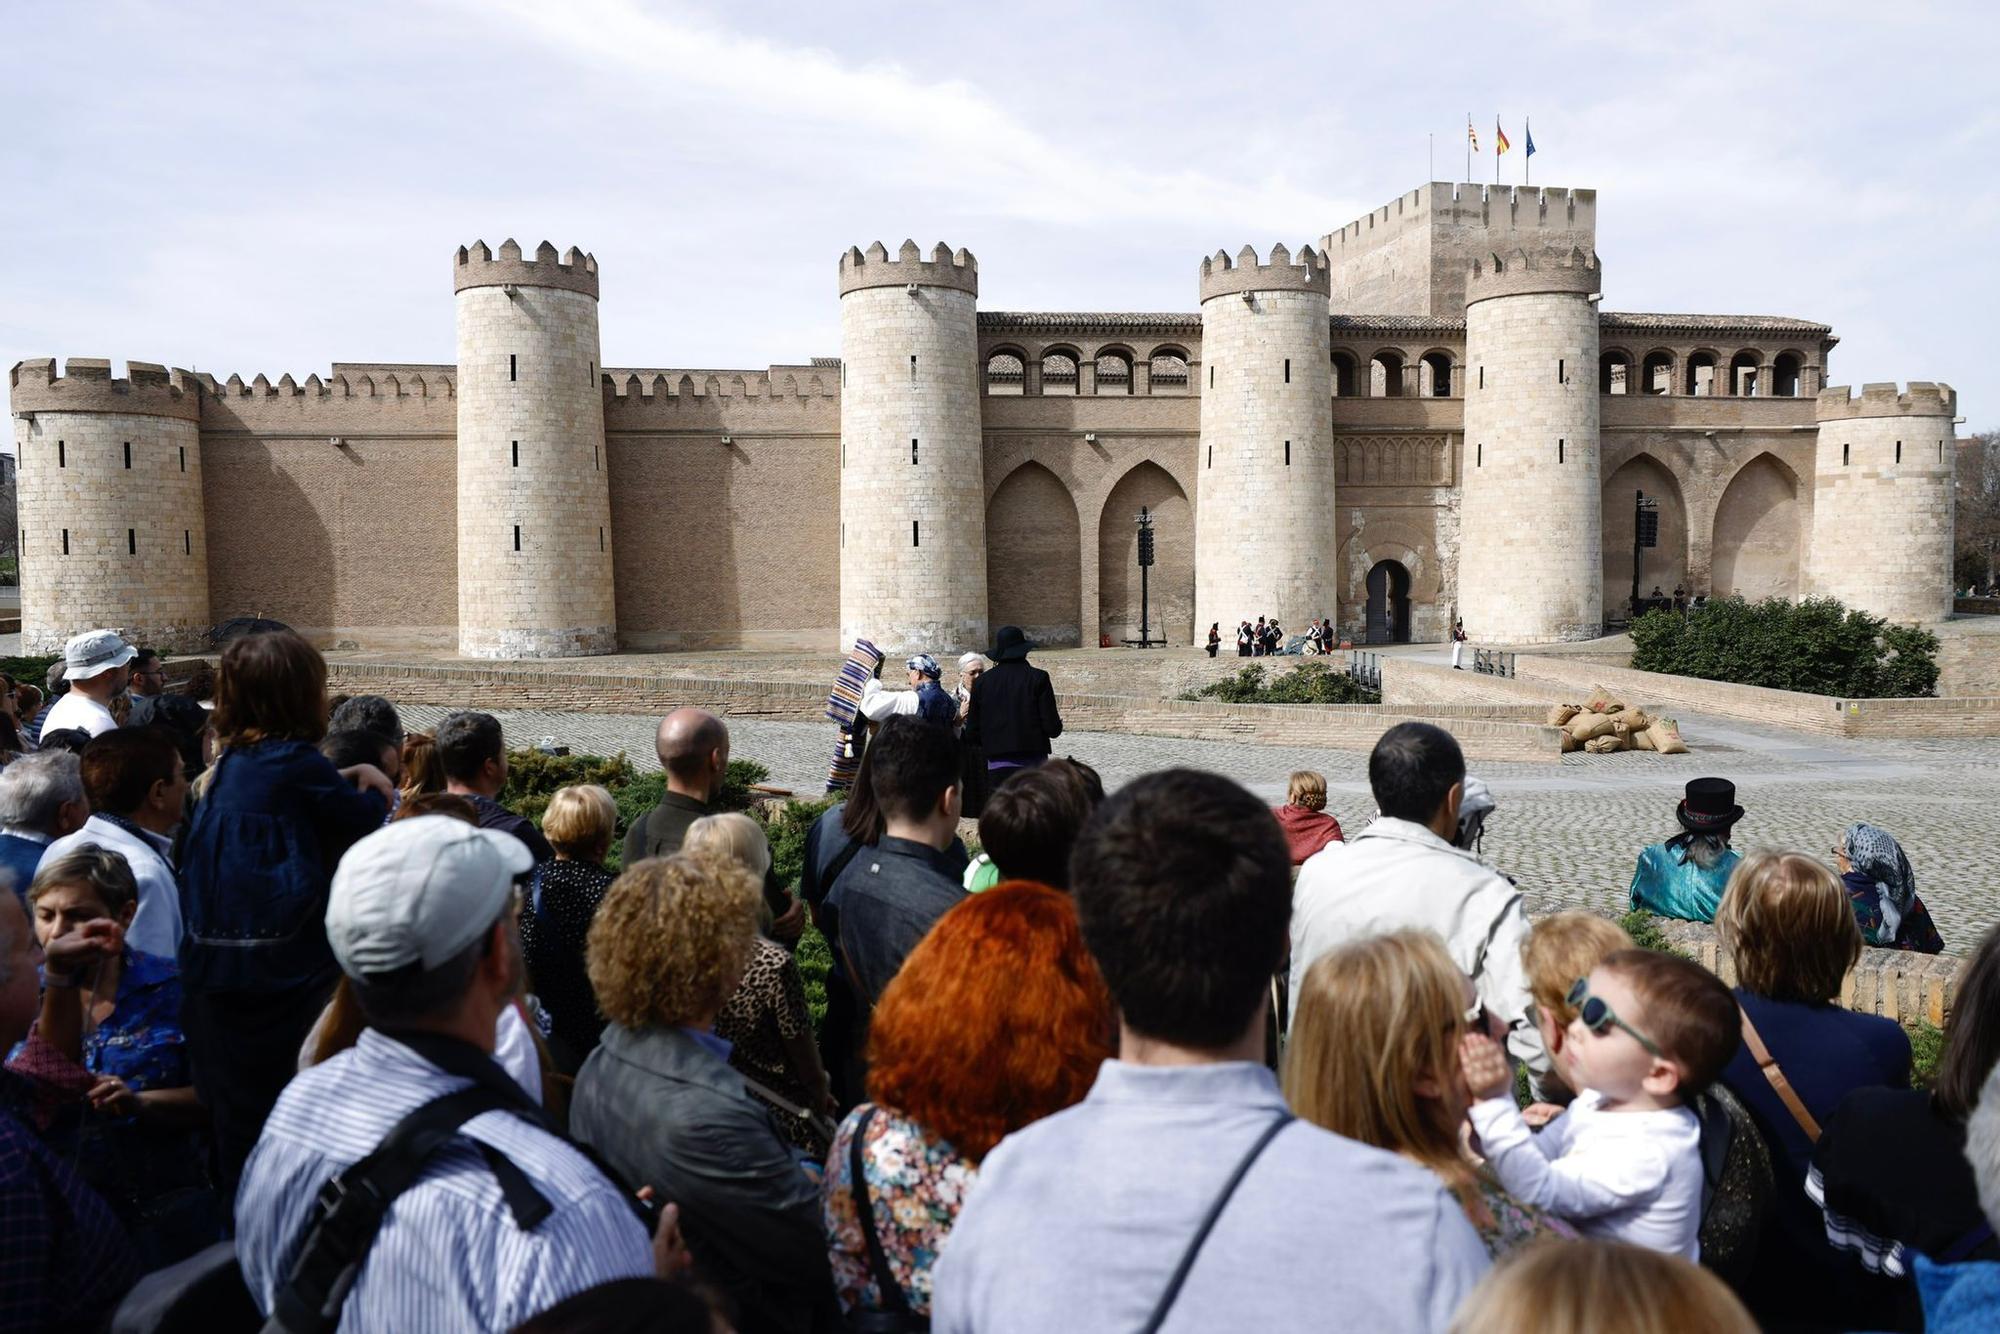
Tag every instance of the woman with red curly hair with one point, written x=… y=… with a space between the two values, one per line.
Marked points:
x=998 y=1018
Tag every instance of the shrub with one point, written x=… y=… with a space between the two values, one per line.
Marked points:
x=1815 y=645
x=33 y=670
x=1311 y=682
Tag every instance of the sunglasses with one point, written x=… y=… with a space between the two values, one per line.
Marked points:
x=1600 y=1018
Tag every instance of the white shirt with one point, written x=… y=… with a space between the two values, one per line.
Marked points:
x=879 y=704
x=77 y=709
x=1629 y=1176
x=156 y=928
x=1396 y=875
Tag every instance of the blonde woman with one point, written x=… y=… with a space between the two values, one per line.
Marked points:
x=555 y=921
x=1374 y=1056
x=766 y=1020
x=1600 y=1287
x=1308 y=828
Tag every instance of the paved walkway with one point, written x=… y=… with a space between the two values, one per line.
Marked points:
x=1568 y=833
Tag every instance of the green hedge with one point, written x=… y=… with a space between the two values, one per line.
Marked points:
x=1816 y=645
x=532 y=778
x=1311 y=682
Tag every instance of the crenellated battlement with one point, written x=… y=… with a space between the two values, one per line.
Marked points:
x=1521 y=271
x=339 y=385
x=776 y=400
x=86 y=385
x=1501 y=208
x=956 y=269
x=573 y=271
x=1924 y=398
x=1223 y=276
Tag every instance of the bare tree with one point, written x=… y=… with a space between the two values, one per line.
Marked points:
x=1978 y=509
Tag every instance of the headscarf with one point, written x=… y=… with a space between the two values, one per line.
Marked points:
x=925 y=663
x=1877 y=855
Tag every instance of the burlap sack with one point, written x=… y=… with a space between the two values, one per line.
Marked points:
x=1633 y=718
x=1589 y=726
x=1642 y=739
x=1623 y=731
x=1602 y=701
x=1667 y=737
x=1570 y=743
x=1605 y=744
x=1560 y=714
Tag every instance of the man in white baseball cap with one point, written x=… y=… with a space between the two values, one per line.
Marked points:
x=423 y=916
x=95 y=666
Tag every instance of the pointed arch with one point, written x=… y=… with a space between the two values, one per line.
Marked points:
x=1663 y=566
x=1034 y=561
x=1759 y=525
x=1171 y=583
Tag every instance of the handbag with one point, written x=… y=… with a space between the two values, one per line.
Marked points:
x=1776 y=1077
x=898 y=1318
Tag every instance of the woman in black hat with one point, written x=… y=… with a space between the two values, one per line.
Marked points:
x=1012 y=715
x=1684 y=877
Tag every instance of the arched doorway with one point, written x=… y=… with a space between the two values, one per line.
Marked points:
x=1170 y=587
x=1757 y=529
x=1388 y=603
x=1663 y=566
x=1033 y=557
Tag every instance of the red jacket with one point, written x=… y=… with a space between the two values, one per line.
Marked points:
x=1306 y=831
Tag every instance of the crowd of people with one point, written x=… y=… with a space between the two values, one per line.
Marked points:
x=311 y=1027
x=1266 y=638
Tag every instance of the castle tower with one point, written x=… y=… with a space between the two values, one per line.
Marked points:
x=912 y=488
x=1882 y=500
x=534 y=509
x=1264 y=518
x=112 y=526
x=1530 y=563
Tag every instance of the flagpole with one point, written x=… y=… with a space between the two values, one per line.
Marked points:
x=1468 y=148
x=1528 y=159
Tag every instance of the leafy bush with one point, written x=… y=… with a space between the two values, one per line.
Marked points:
x=1926 y=1050
x=533 y=777
x=32 y=670
x=1815 y=645
x=1311 y=682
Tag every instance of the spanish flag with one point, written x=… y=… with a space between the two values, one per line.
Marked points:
x=1472 y=135
x=1500 y=135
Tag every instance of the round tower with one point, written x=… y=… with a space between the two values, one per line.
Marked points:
x=912 y=488
x=112 y=527
x=1882 y=500
x=1265 y=516
x=1530 y=559
x=534 y=510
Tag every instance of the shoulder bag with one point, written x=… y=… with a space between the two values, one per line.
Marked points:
x=1173 y=1290
x=896 y=1317
x=1768 y=1064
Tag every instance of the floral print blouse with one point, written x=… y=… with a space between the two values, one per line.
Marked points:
x=1510 y=1224
x=916 y=1184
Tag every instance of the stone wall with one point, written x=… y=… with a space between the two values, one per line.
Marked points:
x=1883 y=512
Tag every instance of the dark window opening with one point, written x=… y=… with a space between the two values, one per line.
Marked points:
x=131 y=541
x=184 y=458
x=1940 y=460
x=595 y=464
x=187 y=542
x=1843 y=456
x=1479 y=455
x=913 y=368
x=513 y=366
x=600 y=537
x=517 y=453
x=1482 y=377
x=1211 y=456
x=1562 y=376
x=65 y=541
x=128 y=453
x=913 y=451
x=1288 y=370
x=1288 y=453
x=1899 y=451
x=1559 y=451
x=590 y=376
x=517 y=537
x=62 y=455
x=1211 y=377
x=915 y=540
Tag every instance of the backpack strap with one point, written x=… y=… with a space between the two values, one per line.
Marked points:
x=1776 y=1077
x=1173 y=1290
x=886 y=1286
x=353 y=1205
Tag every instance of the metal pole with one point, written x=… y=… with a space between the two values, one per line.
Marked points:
x=1638 y=551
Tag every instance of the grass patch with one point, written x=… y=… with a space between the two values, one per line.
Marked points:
x=1926 y=1050
x=1311 y=682
x=1648 y=934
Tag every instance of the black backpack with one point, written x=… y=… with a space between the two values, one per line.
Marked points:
x=1736 y=1183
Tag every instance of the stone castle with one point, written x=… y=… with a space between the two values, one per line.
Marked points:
x=1425 y=415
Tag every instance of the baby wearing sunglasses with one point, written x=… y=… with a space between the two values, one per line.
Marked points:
x=1624 y=1162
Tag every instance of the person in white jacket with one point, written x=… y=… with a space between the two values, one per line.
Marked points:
x=1403 y=872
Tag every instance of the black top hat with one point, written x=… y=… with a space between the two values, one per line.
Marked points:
x=1010 y=644
x=1709 y=807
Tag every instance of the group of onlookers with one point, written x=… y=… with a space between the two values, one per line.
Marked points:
x=1157 y=1059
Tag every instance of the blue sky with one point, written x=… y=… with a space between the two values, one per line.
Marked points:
x=272 y=187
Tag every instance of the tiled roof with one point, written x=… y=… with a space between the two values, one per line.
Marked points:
x=1716 y=323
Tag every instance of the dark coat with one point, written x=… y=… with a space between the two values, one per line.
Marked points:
x=671 y=1114
x=1013 y=715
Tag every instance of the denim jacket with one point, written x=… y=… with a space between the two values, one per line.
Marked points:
x=257 y=864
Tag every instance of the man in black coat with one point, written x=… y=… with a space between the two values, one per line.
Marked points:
x=1012 y=716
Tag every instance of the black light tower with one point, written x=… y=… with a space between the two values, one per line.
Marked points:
x=1645 y=533
x=1145 y=522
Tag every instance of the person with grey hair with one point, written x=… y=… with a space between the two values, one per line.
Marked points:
x=41 y=800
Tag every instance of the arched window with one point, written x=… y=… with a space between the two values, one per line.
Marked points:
x=1614 y=373
x=1437 y=375
x=1385 y=375
x=1745 y=373
x=1006 y=374
x=1786 y=372
x=1700 y=375
x=1343 y=375
x=1170 y=370
x=1114 y=372
x=1656 y=374
x=1059 y=373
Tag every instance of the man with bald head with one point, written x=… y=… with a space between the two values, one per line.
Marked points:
x=693 y=746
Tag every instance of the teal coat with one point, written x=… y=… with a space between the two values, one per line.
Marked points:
x=1666 y=883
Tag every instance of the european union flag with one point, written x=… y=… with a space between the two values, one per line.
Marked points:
x=1531 y=141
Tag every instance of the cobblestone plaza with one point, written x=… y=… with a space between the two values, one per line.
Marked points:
x=1567 y=833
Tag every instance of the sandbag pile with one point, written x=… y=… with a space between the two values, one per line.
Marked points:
x=1603 y=724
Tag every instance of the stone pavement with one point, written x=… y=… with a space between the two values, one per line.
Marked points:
x=1568 y=833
